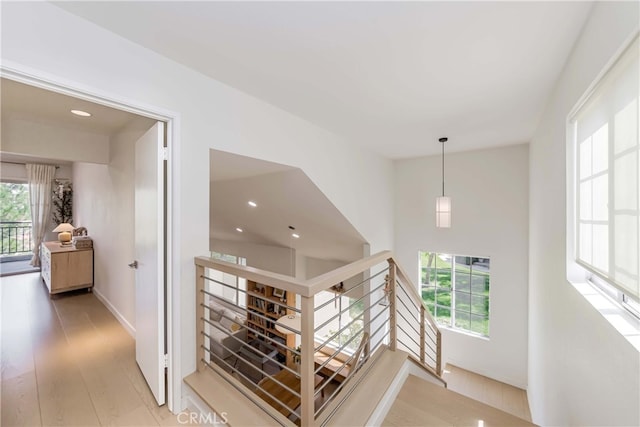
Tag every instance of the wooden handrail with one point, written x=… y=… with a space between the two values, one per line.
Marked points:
x=280 y=281
x=324 y=281
x=307 y=289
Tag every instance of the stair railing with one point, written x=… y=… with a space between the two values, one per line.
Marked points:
x=416 y=331
x=384 y=311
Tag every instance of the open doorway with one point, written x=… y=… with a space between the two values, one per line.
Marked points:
x=101 y=156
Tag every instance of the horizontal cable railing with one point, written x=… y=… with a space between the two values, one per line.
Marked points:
x=15 y=237
x=294 y=347
x=417 y=331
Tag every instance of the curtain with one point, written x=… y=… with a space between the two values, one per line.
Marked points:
x=40 y=178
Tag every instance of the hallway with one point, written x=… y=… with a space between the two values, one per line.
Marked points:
x=67 y=361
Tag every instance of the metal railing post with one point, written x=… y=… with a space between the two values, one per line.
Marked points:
x=392 y=306
x=422 y=334
x=439 y=352
x=200 y=365
x=307 y=366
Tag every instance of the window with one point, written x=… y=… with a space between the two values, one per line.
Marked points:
x=603 y=133
x=15 y=219
x=456 y=290
x=339 y=320
x=227 y=292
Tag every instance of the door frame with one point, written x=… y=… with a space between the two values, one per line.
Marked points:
x=44 y=80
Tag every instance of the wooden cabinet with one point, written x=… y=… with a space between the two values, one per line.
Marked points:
x=65 y=268
x=268 y=303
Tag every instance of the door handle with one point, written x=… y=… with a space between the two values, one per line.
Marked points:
x=134 y=264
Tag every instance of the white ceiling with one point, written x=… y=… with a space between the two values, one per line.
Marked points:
x=31 y=103
x=285 y=196
x=392 y=76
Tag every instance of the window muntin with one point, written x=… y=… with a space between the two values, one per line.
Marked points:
x=233 y=296
x=339 y=320
x=606 y=182
x=456 y=290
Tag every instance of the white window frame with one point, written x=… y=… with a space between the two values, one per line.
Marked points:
x=452 y=310
x=622 y=313
x=577 y=271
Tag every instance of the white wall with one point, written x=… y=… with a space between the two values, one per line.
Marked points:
x=43 y=39
x=489 y=191
x=271 y=258
x=10 y=172
x=104 y=203
x=45 y=141
x=581 y=370
x=20 y=136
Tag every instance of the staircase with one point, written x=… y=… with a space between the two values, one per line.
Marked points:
x=422 y=403
x=398 y=349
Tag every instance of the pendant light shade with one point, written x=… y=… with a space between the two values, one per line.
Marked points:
x=443 y=203
x=443 y=212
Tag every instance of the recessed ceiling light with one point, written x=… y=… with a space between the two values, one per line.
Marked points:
x=252 y=203
x=81 y=113
x=239 y=230
x=295 y=236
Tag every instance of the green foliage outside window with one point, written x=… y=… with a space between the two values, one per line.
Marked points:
x=15 y=216
x=14 y=202
x=464 y=303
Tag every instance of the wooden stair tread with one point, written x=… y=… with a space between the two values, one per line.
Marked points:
x=223 y=397
x=426 y=404
x=332 y=367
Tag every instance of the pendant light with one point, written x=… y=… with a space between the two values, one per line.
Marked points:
x=443 y=203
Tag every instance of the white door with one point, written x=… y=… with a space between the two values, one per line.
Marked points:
x=150 y=259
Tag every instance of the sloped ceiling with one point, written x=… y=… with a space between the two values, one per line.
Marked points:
x=285 y=197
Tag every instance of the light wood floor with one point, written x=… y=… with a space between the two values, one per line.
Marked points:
x=494 y=393
x=422 y=403
x=67 y=361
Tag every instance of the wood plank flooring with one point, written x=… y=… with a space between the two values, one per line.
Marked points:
x=486 y=390
x=68 y=362
x=422 y=403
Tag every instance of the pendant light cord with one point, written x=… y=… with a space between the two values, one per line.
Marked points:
x=442 y=168
x=442 y=141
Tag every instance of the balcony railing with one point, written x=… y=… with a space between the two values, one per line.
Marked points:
x=300 y=369
x=15 y=237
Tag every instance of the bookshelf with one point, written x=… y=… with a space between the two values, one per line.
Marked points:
x=269 y=302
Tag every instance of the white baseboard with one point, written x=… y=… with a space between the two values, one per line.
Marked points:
x=380 y=413
x=127 y=326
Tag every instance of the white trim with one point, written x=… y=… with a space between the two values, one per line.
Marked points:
x=123 y=321
x=578 y=271
x=389 y=397
x=44 y=80
x=596 y=82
